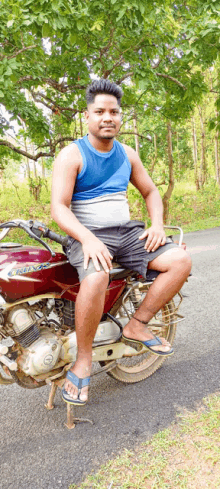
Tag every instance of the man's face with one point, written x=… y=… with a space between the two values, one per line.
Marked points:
x=103 y=117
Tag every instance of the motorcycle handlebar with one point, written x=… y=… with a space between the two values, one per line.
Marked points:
x=56 y=237
x=35 y=230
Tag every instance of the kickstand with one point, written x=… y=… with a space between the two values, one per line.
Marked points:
x=71 y=420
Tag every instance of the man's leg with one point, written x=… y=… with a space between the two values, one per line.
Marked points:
x=88 y=312
x=175 y=265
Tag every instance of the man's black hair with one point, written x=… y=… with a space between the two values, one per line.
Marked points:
x=103 y=86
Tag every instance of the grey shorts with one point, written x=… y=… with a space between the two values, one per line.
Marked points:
x=123 y=244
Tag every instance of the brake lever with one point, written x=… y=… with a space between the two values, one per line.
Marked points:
x=32 y=235
x=8 y=224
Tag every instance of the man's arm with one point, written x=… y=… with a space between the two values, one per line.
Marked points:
x=67 y=165
x=141 y=180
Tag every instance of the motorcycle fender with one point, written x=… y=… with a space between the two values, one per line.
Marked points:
x=6 y=381
x=113 y=352
x=34 y=298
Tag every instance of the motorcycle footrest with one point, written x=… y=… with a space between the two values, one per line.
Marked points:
x=133 y=344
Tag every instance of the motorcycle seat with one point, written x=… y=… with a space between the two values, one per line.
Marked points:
x=119 y=272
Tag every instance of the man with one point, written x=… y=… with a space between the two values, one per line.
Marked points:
x=89 y=203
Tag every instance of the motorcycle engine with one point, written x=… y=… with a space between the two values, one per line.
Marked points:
x=40 y=347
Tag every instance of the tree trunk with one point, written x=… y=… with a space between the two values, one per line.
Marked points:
x=216 y=138
x=43 y=169
x=195 y=154
x=28 y=168
x=217 y=166
x=170 y=188
x=178 y=154
x=155 y=155
x=136 y=138
x=81 y=126
x=35 y=169
x=203 y=167
x=62 y=145
x=76 y=133
x=27 y=161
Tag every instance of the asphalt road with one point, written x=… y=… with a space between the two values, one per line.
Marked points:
x=38 y=452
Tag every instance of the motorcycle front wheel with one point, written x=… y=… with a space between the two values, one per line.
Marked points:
x=138 y=367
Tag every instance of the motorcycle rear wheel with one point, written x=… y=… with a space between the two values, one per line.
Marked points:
x=163 y=324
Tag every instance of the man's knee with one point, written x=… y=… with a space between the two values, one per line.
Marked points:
x=172 y=259
x=95 y=282
x=181 y=259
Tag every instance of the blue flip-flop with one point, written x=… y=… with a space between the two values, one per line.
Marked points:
x=79 y=383
x=154 y=342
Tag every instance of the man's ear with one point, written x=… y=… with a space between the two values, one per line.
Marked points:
x=86 y=115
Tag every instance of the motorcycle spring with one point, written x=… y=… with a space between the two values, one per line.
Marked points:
x=1 y=318
x=69 y=313
x=59 y=309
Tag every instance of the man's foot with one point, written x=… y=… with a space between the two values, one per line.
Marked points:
x=76 y=386
x=137 y=332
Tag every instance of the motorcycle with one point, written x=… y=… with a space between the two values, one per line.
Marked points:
x=38 y=290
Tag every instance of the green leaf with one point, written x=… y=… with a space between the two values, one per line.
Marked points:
x=121 y=14
x=1 y=94
x=8 y=71
x=80 y=25
x=72 y=38
x=142 y=8
x=46 y=30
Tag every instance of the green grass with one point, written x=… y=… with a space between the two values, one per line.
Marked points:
x=189 y=209
x=192 y=210
x=20 y=204
x=186 y=455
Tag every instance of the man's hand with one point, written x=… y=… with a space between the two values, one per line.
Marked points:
x=155 y=237
x=96 y=250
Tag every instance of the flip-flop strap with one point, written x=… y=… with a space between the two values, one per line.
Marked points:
x=79 y=383
x=154 y=342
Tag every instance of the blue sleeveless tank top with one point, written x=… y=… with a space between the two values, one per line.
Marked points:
x=102 y=173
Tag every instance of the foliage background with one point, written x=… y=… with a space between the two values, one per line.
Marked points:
x=165 y=56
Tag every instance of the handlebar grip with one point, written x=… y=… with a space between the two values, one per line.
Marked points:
x=63 y=240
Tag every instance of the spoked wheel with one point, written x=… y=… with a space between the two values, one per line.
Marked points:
x=138 y=367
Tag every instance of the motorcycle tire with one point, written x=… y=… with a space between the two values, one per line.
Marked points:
x=139 y=367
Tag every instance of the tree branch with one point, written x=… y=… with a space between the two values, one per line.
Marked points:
x=149 y=138
x=24 y=153
x=55 y=143
x=163 y=182
x=172 y=79
x=38 y=96
x=40 y=153
x=18 y=52
x=60 y=87
x=126 y=75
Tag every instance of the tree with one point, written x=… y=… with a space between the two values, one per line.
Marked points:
x=50 y=51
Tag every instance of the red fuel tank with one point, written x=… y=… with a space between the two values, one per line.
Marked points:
x=26 y=271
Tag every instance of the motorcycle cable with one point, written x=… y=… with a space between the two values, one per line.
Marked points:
x=116 y=322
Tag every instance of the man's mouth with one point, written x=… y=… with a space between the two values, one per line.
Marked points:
x=107 y=127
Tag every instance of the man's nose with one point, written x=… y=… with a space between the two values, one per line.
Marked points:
x=107 y=116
